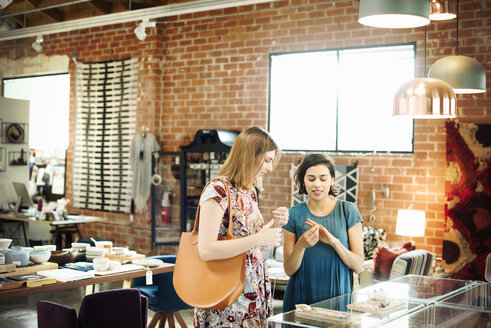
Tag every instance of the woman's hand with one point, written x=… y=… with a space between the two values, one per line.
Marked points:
x=269 y=236
x=309 y=238
x=324 y=235
x=280 y=217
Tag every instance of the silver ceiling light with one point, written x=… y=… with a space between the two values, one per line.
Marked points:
x=464 y=74
x=442 y=10
x=394 y=13
x=140 y=29
x=425 y=98
x=38 y=44
x=4 y=3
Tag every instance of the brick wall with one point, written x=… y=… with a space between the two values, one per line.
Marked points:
x=211 y=70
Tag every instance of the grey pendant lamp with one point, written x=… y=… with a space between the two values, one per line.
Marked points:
x=394 y=13
x=464 y=74
x=425 y=98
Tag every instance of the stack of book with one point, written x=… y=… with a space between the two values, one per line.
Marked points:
x=33 y=279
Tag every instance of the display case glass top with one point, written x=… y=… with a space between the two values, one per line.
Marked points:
x=423 y=289
x=338 y=314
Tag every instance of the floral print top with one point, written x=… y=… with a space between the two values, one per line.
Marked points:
x=254 y=305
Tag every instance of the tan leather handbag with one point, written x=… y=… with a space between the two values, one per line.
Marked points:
x=213 y=284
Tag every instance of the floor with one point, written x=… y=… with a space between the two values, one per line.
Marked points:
x=21 y=312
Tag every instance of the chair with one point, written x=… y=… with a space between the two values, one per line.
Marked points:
x=54 y=315
x=162 y=296
x=116 y=308
x=418 y=262
x=487 y=272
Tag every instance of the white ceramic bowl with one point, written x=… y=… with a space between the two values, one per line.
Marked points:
x=96 y=251
x=120 y=250
x=114 y=265
x=39 y=256
x=5 y=243
x=80 y=245
x=101 y=263
x=50 y=247
x=104 y=244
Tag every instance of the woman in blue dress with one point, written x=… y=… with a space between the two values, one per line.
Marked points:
x=323 y=239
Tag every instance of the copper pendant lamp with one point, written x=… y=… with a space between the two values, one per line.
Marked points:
x=425 y=98
x=442 y=10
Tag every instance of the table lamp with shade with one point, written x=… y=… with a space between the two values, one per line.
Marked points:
x=410 y=223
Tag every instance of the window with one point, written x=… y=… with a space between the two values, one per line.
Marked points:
x=340 y=100
x=49 y=97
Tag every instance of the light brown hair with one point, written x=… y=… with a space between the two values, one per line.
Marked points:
x=246 y=157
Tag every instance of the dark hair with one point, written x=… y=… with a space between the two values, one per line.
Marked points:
x=313 y=160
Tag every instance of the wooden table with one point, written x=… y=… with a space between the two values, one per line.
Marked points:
x=60 y=226
x=126 y=277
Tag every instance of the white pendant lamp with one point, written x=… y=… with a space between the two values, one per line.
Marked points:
x=442 y=10
x=464 y=74
x=394 y=13
x=425 y=98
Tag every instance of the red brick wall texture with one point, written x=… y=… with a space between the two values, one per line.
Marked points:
x=211 y=70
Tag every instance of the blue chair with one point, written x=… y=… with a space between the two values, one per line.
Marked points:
x=162 y=297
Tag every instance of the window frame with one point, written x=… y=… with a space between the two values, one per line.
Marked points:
x=338 y=50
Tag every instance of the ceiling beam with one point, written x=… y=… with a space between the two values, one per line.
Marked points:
x=101 y=7
x=128 y=16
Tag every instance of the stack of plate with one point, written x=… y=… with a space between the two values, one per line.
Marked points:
x=93 y=252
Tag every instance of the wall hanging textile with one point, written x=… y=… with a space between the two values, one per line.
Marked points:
x=105 y=121
x=346 y=181
x=466 y=241
x=213 y=284
x=142 y=146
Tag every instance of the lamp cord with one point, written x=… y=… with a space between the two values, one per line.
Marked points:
x=424 y=68
x=457 y=39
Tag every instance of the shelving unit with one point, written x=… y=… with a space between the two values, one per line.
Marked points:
x=193 y=166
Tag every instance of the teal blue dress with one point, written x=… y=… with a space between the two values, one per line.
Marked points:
x=322 y=274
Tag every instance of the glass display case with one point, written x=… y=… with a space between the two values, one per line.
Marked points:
x=442 y=316
x=408 y=301
x=340 y=314
x=421 y=289
x=477 y=297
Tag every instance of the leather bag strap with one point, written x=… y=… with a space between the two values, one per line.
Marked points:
x=229 y=200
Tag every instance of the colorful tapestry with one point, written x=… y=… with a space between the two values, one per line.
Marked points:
x=346 y=181
x=467 y=239
x=105 y=122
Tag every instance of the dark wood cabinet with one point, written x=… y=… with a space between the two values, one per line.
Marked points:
x=184 y=174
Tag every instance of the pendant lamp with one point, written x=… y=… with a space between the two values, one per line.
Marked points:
x=442 y=10
x=394 y=13
x=464 y=74
x=425 y=98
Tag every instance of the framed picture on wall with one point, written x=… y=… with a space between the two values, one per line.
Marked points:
x=19 y=158
x=1 y=127
x=15 y=133
x=3 y=160
x=58 y=180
